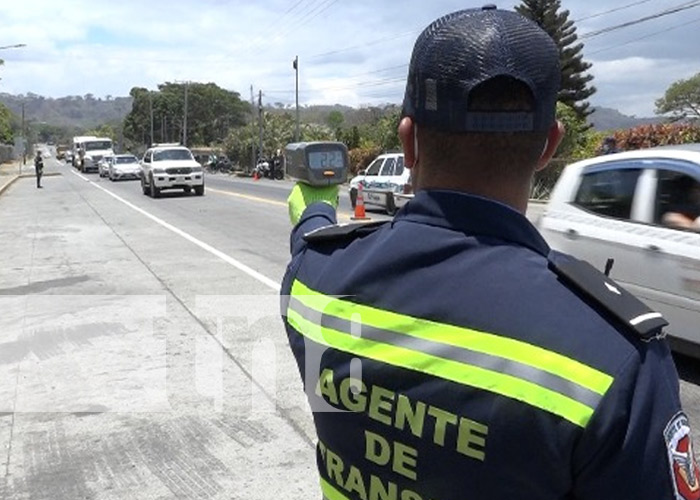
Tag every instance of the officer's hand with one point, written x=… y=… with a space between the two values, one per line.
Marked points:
x=303 y=195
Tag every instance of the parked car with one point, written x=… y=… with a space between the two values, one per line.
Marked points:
x=383 y=178
x=124 y=166
x=170 y=166
x=617 y=207
x=103 y=165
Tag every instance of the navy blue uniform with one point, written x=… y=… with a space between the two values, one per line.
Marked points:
x=446 y=357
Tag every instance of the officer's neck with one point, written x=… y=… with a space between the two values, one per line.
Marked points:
x=513 y=194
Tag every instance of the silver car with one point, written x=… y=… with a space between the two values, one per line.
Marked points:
x=124 y=166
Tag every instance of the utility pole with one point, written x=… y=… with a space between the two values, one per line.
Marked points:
x=295 y=64
x=260 y=122
x=24 y=141
x=184 y=120
x=252 y=144
x=150 y=101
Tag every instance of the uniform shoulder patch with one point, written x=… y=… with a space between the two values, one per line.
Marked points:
x=343 y=231
x=685 y=474
x=596 y=286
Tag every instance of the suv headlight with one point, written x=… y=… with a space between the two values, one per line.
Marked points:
x=197 y=169
x=158 y=170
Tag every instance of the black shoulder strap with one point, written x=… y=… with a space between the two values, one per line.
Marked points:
x=343 y=231
x=586 y=279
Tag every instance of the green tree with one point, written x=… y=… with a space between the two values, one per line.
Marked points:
x=335 y=122
x=575 y=82
x=6 y=125
x=681 y=100
x=137 y=129
x=576 y=133
x=211 y=113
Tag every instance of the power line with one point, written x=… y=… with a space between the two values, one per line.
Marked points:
x=616 y=9
x=302 y=13
x=644 y=37
x=363 y=45
x=321 y=11
x=672 y=10
x=310 y=14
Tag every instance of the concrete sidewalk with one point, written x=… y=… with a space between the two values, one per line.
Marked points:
x=112 y=384
x=10 y=172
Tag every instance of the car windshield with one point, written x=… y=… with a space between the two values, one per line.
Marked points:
x=172 y=154
x=97 y=145
x=126 y=159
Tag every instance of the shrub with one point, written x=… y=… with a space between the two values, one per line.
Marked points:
x=660 y=134
x=361 y=157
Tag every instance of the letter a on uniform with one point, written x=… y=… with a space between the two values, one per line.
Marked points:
x=685 y=474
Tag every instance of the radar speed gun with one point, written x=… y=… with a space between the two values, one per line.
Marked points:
x=317 y=163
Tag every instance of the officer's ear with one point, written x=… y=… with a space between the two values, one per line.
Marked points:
x=407 y=135
x=554 y=137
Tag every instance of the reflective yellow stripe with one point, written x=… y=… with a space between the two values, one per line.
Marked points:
x=466 y=338
x=574 y=372
x=330 y=493
x=500 y=383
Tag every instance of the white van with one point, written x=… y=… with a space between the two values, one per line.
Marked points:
x=77 y=146
x=92 y=150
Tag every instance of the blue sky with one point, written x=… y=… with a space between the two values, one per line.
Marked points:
x=350 y=52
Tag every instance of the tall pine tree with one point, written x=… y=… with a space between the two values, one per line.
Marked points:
x=575 y=88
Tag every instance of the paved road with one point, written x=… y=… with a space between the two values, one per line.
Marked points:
x=140 y=345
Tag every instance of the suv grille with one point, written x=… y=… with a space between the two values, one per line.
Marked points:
x=179 y=170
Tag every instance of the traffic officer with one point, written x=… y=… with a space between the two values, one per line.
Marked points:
x=450 y=353
x=38 y=168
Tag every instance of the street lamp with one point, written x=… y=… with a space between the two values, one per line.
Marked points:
x=295 y=65
x=15 y=46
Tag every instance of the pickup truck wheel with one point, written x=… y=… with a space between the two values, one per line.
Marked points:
x=144 y=188
x=353 y=197
x=155 y=192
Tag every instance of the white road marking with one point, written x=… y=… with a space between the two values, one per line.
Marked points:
x=204 y=246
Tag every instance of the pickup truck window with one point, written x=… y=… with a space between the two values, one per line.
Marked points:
x=373 y=169
x=388 y=168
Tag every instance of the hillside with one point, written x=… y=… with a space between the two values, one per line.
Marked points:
x=71 y=111
x=84 y=112
x=610 y=119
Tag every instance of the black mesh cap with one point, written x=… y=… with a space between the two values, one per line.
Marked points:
x=466 y=48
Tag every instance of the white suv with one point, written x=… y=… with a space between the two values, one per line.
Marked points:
x=385 y=177
x=170 y=166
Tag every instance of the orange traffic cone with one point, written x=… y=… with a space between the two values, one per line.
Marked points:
x=360 y=206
